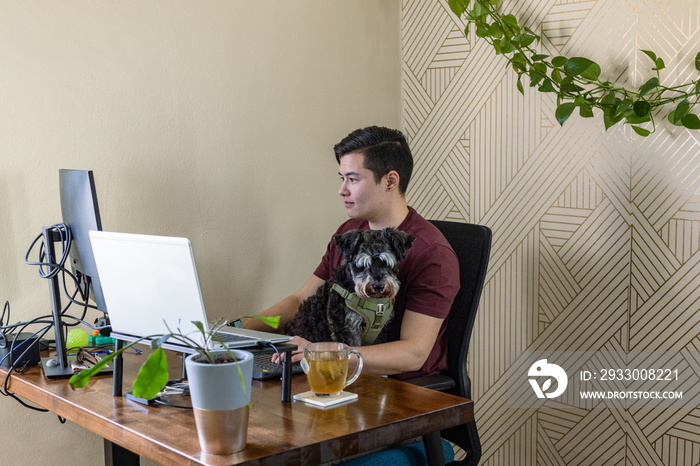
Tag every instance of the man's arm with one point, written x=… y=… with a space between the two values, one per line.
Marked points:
x=288 y=307
x=418 y=335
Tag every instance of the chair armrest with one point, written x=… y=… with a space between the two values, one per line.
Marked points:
x=437 y=382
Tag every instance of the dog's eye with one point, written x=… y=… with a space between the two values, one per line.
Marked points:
x=388 y=259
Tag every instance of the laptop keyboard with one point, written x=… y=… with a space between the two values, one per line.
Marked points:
x=231 y=337
x=264 y=368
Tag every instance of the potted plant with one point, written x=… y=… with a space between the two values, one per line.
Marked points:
x=221 y=416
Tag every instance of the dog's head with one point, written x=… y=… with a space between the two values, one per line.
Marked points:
x=372 y=258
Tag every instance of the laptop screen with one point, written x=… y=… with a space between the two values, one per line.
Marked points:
x=150 y=283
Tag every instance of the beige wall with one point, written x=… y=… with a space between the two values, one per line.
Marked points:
x=212 y=120
x=596 y=233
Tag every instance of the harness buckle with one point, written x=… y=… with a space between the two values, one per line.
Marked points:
x=378 y=317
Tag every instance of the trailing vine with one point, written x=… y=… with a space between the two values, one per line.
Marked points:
x=576 y=80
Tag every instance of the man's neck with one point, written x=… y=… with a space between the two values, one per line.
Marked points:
x=393 y=218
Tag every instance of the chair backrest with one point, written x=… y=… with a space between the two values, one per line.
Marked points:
x=472 y=244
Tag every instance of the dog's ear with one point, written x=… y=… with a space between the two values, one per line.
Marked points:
x=348 y=242
x=400 y=241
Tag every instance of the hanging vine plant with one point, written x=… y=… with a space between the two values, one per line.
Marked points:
x=576 y=80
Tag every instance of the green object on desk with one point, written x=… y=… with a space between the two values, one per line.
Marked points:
x=76 y=338
x=101 y=341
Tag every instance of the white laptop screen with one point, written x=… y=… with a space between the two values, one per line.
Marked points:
x=149 y=282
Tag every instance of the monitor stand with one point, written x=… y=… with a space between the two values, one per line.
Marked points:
x=60 y=366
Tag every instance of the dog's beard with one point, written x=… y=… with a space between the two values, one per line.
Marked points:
x=366 y=288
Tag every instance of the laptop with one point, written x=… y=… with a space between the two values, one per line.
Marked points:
x=150 y=285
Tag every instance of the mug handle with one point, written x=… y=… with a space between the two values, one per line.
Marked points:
x=358 y=368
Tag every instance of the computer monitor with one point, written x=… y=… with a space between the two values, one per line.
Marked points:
x=81 y=214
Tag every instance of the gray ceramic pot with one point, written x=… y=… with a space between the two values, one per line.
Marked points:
x=220 y=398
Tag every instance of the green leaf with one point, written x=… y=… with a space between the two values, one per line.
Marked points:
x=547 y=86
x=660 y=65
x=641 y=131
x=523 y=40
x=564 y=111
x=82 y=378
x=622 y=107
x=495 y=31
x=520 y=84
x=559 y=61
x=535 y=76
x=152 y=376
x=610 y=100
x=681 y=110
x=585 y=111
x=532 y=33
x=482 y=30
x=610 y=103
x=570 y=87
x=697 y=61
x=650 y=54
x=691 y=121
x=576 y=65
x=540 y=68
x=642 y=108
x=458 y=7
x=653 y=83
x=635 y=119
x=610 y=120
x=511 y=27
x=481 y=9
x=539 y=57
x=592 y=72
x=556 y=76
x=273 y=322
x=506 y=45
x=519 y=62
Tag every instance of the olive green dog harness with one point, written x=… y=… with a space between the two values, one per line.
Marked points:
x=374 y=311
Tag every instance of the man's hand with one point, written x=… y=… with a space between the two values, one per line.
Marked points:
x=297 y=354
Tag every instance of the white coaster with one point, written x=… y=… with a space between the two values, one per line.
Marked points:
x=311 y=398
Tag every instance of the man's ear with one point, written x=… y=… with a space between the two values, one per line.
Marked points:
x=392 y=180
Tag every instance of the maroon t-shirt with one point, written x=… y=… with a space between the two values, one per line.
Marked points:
x=429 y=277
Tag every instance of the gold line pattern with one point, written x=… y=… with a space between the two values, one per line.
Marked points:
x=596 y=233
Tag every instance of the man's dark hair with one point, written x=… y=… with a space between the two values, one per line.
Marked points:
x=384 y=149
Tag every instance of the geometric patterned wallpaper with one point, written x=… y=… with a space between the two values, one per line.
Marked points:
x=596 y=234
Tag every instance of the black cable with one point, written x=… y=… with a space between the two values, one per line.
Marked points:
x=54 y=268
x=272 y=345
x=47 y=270
x=5 y=310
x=6 y=391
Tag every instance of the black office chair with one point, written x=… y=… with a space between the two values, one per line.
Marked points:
x=472 y=244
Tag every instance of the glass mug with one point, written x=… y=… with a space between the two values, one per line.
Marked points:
x=326 y=367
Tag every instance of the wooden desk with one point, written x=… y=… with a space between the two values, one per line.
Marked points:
x=387 y=412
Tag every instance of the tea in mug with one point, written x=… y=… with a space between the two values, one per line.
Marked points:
x=326 y=367
x=327 y=373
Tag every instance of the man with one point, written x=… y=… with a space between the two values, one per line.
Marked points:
x=375 y=168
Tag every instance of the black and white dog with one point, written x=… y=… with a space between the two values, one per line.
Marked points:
x=356 y=303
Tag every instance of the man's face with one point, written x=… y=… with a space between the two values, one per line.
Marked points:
x=363 y=197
